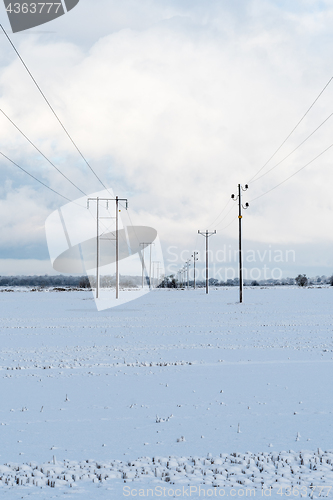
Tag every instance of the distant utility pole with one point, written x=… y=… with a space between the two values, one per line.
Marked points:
x=158 y=272
x=194 y=260
x=206 y=234
x=151 y=244
x=240 y=206
x=143 y=261
x=187 y=269
x=116 y=199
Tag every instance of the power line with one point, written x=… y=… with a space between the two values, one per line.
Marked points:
x=293 y=130
x=225 y=227
x=125 y=207
x=226 y=215
x=130 y=219
x=221 y=212
x=51 y=108
x=39 y=151
x=45 y=185
x=293 y=151
x=292 y=175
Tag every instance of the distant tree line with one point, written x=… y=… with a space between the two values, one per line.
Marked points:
x=300 y=280
x=85 y=282
x=44 y=281
x=61 y=281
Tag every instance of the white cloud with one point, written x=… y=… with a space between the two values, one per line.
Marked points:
x=23 y=217
x=175 y=109
x=21 y=267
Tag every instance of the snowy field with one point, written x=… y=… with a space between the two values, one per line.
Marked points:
x=176 y=394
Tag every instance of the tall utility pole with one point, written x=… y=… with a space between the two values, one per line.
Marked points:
x=117 y=247
x=194 y=260
x=240 y=206
x=116 y=199
x=97 y=249
x=206 y=234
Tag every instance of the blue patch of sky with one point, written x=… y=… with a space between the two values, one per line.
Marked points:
x=299 y=6
x=37 y=251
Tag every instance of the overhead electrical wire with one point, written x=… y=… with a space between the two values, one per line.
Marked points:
x=61 y=124
x=127 y=211
x=253 y=179
x=293 y=151
x=293 y=130
x=39 y=151
x=196 y=242
x=44 y=156
x=226 y=215
x=35 y=178
x=233 y=220
x=49 y=161
x=201 y=245
x=130 y=219
x=292 y=175
x=220 y=213
x=51 y=108
x=120 y=233
x=63 y=127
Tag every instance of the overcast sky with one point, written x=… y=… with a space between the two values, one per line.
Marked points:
x=174 y=103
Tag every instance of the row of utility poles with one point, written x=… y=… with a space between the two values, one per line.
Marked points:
x=184 y=272
x=153 y=266
x=207 y=235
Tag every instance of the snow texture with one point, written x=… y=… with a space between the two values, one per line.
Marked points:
x=170 y=390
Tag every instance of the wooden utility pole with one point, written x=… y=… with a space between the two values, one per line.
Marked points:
x=117 y=247
x=240 y=206
x=97 y=249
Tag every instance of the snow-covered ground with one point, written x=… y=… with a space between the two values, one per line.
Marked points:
x=176 y=394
